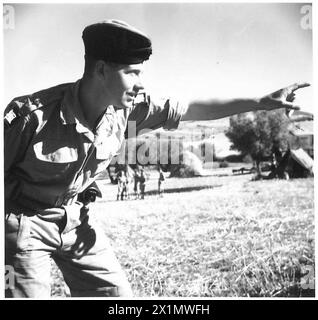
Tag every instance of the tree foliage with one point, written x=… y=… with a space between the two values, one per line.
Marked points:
x=257 y=134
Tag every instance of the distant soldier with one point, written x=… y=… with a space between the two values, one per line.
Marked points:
x=142 y=184
x=279 y=164
x=136 y=178
x=161 y=179
x=120 y=184
x=125 y=190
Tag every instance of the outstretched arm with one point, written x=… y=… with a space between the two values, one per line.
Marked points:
x=215 y=109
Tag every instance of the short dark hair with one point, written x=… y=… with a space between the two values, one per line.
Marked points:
x=90 y=63
x=89 y=66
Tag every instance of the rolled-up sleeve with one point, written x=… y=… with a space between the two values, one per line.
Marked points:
x=163 y=113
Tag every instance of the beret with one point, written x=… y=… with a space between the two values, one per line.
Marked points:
x=117 y=42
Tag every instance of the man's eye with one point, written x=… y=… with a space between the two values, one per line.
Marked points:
x=131 y=73
x=134 y=72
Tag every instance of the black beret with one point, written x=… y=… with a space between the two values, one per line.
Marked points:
x=116 y=41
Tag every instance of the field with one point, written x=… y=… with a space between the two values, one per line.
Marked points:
x=215 y=236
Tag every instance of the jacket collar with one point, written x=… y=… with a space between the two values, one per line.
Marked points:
x=71 y=113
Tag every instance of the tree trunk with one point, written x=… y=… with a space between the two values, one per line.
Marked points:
x=258 y=169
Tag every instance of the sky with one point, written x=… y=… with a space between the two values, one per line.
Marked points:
x=200 y=50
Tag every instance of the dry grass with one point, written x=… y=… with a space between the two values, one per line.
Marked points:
x=237 y=239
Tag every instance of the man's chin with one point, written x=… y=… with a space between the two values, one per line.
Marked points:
x=124 y=106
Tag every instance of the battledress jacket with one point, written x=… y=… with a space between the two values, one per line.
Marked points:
x=50 y=155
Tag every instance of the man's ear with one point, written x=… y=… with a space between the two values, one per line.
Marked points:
x=102 y=69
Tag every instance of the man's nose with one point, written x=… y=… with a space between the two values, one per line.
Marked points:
x=139 y=85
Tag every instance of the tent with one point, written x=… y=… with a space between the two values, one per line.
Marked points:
x=296 y=163
x=302 y=158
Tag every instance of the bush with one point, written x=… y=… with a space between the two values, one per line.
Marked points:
x=234 y=158
x=223 y=164
x=190 y=166
x=248 y=159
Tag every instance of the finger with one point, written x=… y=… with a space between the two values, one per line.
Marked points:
x=289 y=106
x=290 y=97
x=297 y=86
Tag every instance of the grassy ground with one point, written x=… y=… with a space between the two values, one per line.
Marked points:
x=216 y=237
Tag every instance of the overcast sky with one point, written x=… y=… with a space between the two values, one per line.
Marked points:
x=200 y=51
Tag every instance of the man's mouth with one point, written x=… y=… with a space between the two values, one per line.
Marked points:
x=140 y=97
x=130 y=98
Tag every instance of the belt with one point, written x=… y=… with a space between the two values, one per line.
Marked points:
x=66 y=218
x=32 y=207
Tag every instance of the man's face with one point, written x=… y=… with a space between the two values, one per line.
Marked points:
x=123 y=84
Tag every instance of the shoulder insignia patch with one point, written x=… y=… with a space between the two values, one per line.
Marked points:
x=10 y=116
x=17 y=109
x=22 y=106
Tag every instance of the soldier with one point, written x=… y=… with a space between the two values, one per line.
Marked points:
x=161 y=179
x=130 y=181
x=142 y=184
x=124 y=195
x=120 y=184
x=136 y=178
x=59 y=140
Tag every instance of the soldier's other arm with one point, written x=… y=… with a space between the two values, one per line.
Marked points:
x=215 y=109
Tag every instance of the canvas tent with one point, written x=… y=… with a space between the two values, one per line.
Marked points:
x=296 y=163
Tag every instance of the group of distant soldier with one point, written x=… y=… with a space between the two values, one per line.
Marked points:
x=138 y=180
x=125 y=181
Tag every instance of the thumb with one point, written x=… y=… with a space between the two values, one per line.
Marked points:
x=289 y=105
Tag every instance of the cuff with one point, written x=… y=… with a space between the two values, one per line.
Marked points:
x=74 y=216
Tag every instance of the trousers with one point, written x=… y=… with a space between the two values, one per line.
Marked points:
x=83 y=254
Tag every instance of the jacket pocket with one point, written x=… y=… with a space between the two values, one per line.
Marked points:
x=53 y=151
x=52 y=160
x=17 y=230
